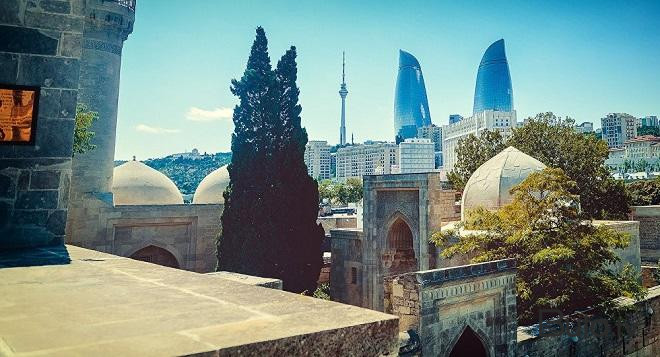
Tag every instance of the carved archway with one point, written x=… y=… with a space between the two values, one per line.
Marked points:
x=156 y=255
x=400 y=255
x=469 y=344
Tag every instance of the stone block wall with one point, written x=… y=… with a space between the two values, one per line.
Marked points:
x=648 y=276
x=347 y=276
x=637 y=335
x=441 y=304
x=649 y=231
x=40 y=45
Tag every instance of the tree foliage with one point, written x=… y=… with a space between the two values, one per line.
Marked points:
x=271 y=204
x=472 y=152
x=553 y=141
x=648 y=130
x=82 y=136
x=564 y=261
x=342 y=193
x=645 y=193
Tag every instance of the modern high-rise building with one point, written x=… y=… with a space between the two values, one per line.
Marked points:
x=503 y=122
x=455 y=118
x=618 y=128
x=586 y=127
x=370 y=158
x=416 y=156
x=317 y=159
x=493 y=104
x=493 y=90
x=433 y=133
x=411 y=106
x=649 y=120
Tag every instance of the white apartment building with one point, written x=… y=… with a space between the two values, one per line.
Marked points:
x=586 y=127
x=370 y=158
x=416 y=156
x=503 y=122
x=317 y=159
x=434 y=133
x=642 y=148
x=617 y=128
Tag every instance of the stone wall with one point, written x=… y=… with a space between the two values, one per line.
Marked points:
x=186 y=231
x=440 y=305
x=649 y=231
x=347 y=274
x=337 y=221
x=648 y=276
x=40 y=45
x=638 y=334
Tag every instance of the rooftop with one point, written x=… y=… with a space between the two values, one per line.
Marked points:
x=101 y=304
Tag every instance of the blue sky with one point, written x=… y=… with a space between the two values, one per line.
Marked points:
x=581 y=59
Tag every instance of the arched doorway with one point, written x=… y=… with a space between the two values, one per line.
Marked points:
x=156 y=255
x=468 y=344
x=401 y=254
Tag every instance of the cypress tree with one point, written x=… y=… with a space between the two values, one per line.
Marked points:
x=269 y=224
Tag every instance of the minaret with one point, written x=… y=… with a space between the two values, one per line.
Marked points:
x=342 y=93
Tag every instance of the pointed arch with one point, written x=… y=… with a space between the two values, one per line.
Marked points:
x=400 y=254
x=470 y=342
x=156 y=255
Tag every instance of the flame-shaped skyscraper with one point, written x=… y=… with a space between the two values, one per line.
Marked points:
x=411 y=106
x=493 y=90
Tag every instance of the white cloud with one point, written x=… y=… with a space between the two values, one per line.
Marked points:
x=155 y=130
x=197 y=114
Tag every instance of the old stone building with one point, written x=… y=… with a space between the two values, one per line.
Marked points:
x=131 y=210
x=390 y=266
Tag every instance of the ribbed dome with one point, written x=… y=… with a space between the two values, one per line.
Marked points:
x=489 y=185
x=135 y=183
x=212 y=186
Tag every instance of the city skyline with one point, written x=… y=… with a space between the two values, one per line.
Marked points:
x=556 y=52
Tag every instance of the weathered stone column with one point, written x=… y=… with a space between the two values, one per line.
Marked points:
x=107 y=25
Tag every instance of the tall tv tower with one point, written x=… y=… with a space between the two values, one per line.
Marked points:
x=342 y=93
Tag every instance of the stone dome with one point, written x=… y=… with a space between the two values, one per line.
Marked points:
x=489 y=185
x=135 y=183
x=212 y=186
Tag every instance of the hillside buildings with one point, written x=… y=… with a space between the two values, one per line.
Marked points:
x=493 y=104
x=411 y=107
x=317 y=159
x=649 y=120
x=637 y=154
x=617 y=128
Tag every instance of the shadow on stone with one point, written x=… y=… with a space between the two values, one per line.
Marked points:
x=25 y=257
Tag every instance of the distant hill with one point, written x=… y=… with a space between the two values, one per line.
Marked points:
x=187 y=171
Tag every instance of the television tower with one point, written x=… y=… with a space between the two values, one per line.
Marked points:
x=342 y=93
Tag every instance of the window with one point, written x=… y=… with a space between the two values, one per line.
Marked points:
x=353 y=275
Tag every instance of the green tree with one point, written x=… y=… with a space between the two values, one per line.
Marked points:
x=645 y=192
x=82 y=136
x=271 y=203
x=553 y=141
x=349 y=191
x=648 y=130
x=327 y=191
x=563 y=260
x=472 y=152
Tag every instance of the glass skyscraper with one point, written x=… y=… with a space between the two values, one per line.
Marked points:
x=411 y=107
x=493 y=89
